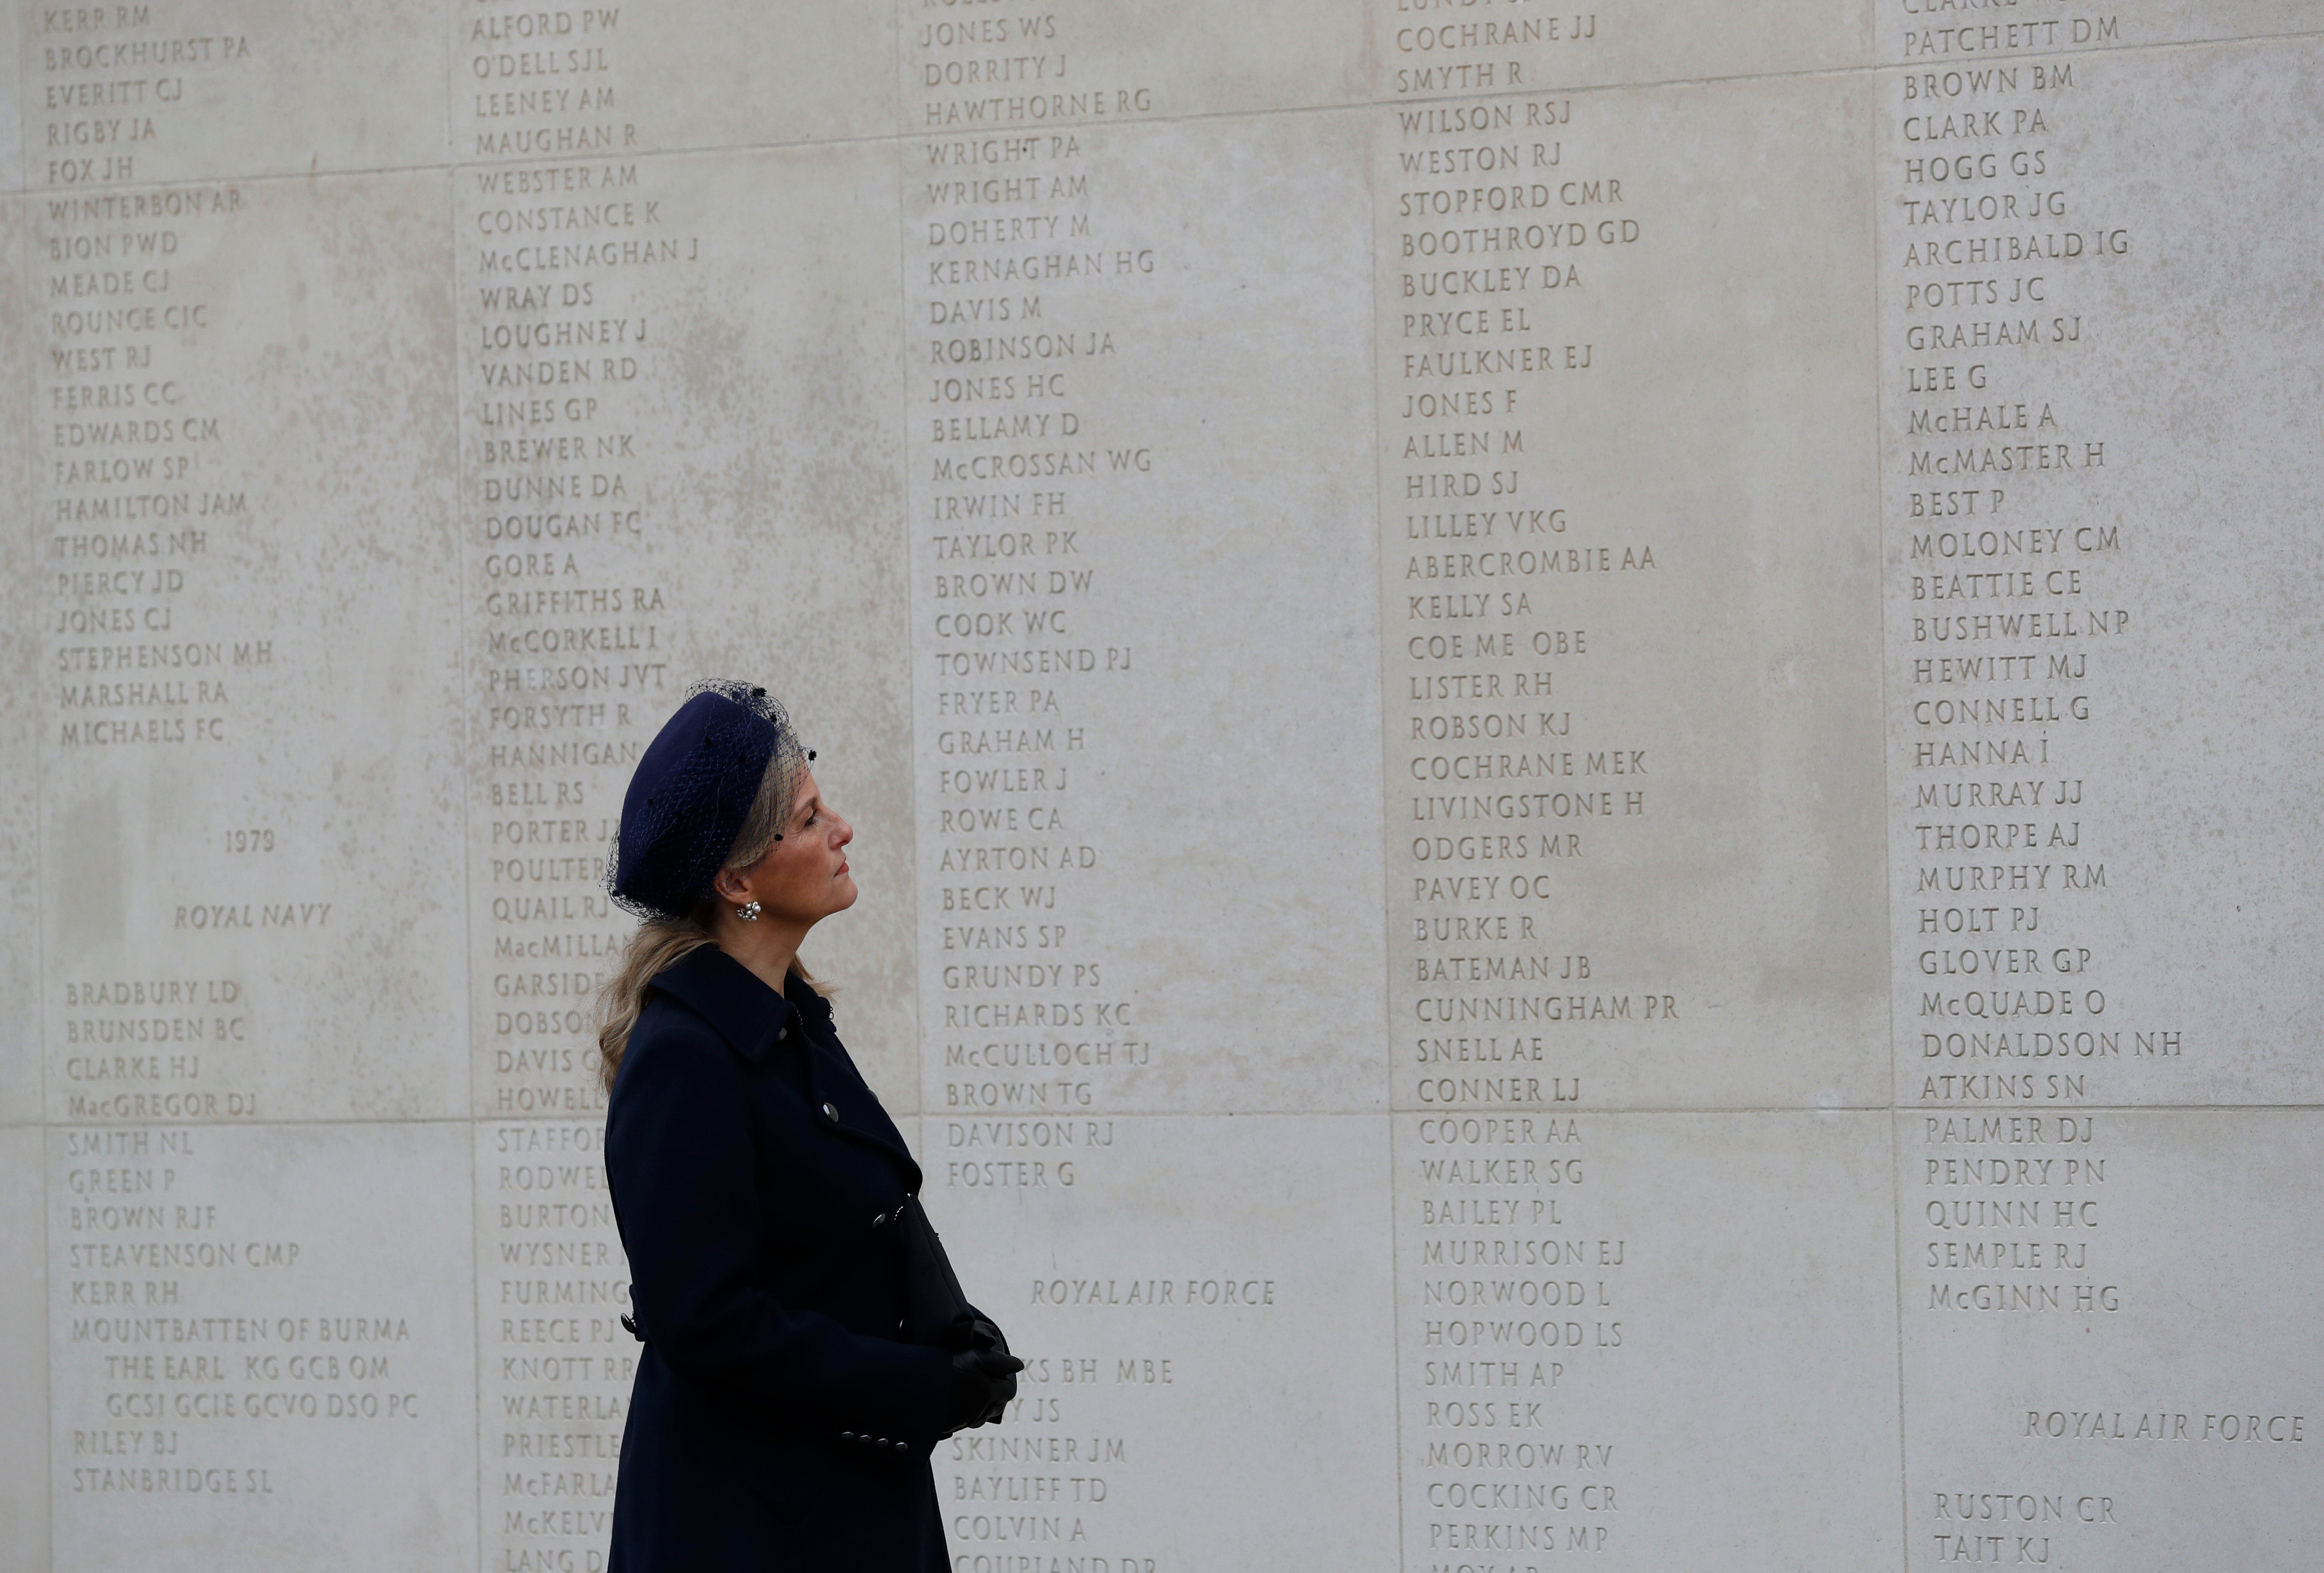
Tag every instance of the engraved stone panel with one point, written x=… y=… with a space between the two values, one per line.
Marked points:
x=2101 y=485
x=1627 y=572
x=2108 y=1334
x=553 y=1381
x=1372 y=578
x=1951 y=38
x=12 y=101
x=20 y=706
x=1459 y=49
x=2096 y=510
x=629 y=531
x=23 y=1280
x=136 y=91
x=244 y=528
x=259 y=1340
x=1097 y=765
x=1022 y=65
x=1605 y=1319
x=1080 y=541
x=1202 y=1306
x=599 y=81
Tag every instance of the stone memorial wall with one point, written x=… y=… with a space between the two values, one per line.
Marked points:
x=1583 y=744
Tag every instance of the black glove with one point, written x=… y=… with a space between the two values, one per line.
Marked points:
x=984 y=1381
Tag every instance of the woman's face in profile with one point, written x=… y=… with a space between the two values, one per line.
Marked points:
x=805 y=875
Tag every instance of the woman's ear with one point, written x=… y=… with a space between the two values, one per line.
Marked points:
x=729 y=886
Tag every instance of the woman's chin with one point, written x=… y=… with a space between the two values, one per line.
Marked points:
x=843 y=893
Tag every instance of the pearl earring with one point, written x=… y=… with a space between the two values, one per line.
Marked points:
x=748 y=912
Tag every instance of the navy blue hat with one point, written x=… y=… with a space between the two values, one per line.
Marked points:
x=691 y=795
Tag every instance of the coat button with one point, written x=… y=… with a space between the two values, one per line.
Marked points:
x=848 y=1435
x=831 y=1114
x=902 y=1448
x=880 y=1219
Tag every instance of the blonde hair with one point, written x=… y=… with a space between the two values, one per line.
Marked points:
x=661 y=943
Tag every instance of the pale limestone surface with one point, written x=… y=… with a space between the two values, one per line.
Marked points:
x=1656 y=1310
x=12 y=117
x=2164 y=1355
x=628 y=530
x=252 y=1329
x=23 y=1361
x=1177 y=1351
x=554 y=1364
x=2179 y=571
x=24 y=1422
x=2120 y=382
x=150 y=90
x=596 y=80
x=1098 y=426
x=1686 y=846
x=248 y=545
x=1925 y=35
x=1464 y=49
x=1209 y=427
x=20 y=717
x=1023 y=64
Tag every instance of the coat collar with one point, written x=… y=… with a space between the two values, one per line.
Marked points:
x=749 y=1016
x=729 y=996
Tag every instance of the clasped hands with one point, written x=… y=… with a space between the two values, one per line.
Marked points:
x=983 y=1379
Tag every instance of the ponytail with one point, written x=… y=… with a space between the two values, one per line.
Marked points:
x=655 y=947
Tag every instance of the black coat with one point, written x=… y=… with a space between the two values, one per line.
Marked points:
x=776 y=1423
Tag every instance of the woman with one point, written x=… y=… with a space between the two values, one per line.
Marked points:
x=784 y=1411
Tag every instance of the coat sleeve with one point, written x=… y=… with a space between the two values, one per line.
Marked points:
x=679 y=1161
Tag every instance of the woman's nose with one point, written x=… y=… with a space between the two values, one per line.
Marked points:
x=843 y=833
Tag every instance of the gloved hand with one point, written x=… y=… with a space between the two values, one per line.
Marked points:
x=984 y=1381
